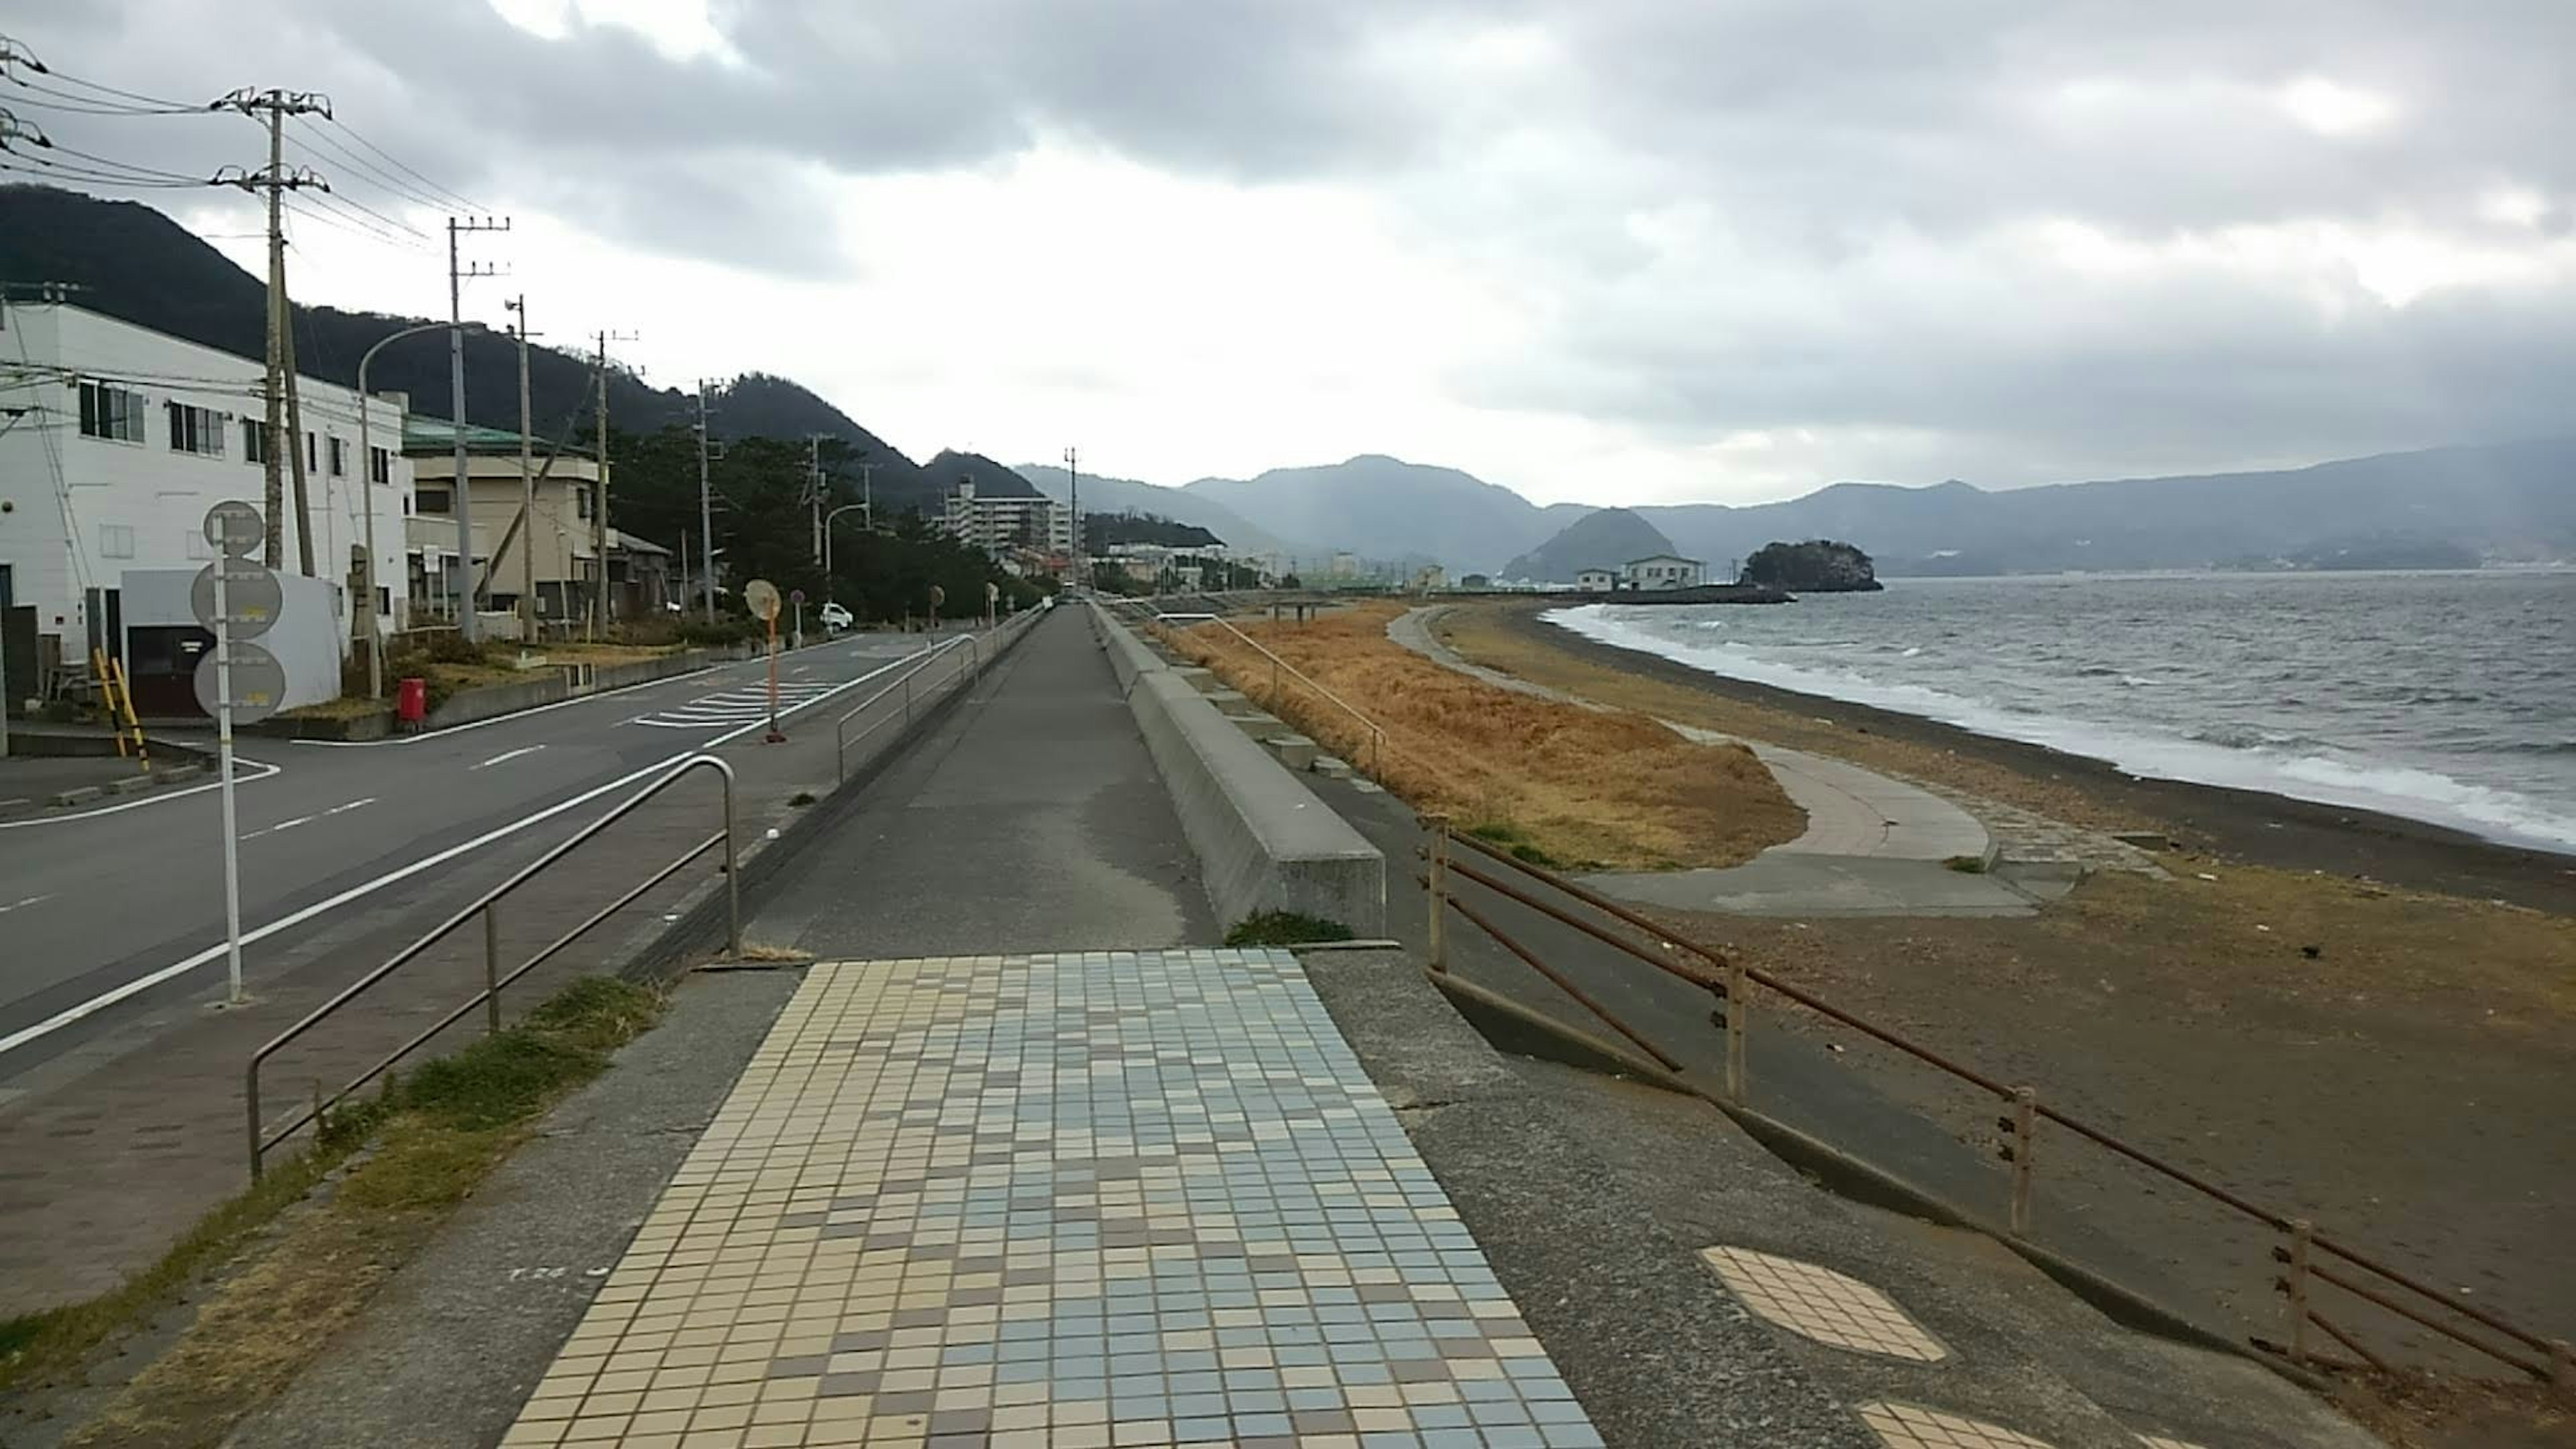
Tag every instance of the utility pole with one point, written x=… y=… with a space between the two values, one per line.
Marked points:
x=599 y=492
x=1073 y=484
x=706 y=512
x=276 y=180
x=527 y=488
x=464 y=481
x=814 y=490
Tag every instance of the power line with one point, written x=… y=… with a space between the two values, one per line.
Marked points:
x=56 y=171
x=377 y=175
x=311 y=209
x=352 y=202
x=434 y=187
x=140 y=170
x=133 y=96
x=93 y=105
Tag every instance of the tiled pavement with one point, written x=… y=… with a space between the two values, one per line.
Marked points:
x=1054 y=1202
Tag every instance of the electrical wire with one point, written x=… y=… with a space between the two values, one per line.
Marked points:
x=376 y=175
x=307 y=208
x=106 y=162
x=378 y=215
x=135 y=96
x=435 y=189
x=94 y=105
x=56 y=171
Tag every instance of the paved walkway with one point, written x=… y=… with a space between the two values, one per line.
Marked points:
x=1077 y=1200
x=1039 y=824
x=1873 y=846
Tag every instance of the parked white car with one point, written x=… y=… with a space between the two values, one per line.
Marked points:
x=836 y=618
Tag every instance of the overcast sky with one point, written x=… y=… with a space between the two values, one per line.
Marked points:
x=1616 y=251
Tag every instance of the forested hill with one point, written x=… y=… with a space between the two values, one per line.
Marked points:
x=133 y=263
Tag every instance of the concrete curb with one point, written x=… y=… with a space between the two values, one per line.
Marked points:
x=1264 y=841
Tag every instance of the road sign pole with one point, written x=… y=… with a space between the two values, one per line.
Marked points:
x=224 y=765
x=775 y=735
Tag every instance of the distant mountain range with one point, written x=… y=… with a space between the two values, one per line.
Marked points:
x=2505 y=503
x=128 y=261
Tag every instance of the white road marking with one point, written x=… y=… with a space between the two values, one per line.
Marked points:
x=440 y=734
x=508 y=755
x=363 y=889
x=164 y=797
x=22 y=905
x=284 y=825
x=734 y=706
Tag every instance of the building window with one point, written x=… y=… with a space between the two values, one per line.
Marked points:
x=436 y=500
x=581 y=501
x=380 y=465
x=115 y=540
x=196 y=430
x=111 y=412
x=312 y=454
x=254 y=441
x=339 y=459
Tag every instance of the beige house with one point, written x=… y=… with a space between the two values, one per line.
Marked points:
x=559 y=544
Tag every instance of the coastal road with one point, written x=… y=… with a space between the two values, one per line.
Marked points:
x=103 y=909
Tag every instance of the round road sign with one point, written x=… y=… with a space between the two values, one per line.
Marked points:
x=795 y=596
x=252 y=597
x=762 y=595
x=259 y=683
x=235 y=527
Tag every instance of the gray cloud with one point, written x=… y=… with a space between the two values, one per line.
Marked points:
x=1839 y=170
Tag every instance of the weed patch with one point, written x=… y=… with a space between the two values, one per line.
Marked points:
x=435 y=1135
x=1285 y=928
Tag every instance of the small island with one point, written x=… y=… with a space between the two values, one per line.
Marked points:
x=1818 y=566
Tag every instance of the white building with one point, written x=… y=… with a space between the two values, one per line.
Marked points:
x=1596 y=580
x=1004 y=527
x=115 y=440
x=1662 y=571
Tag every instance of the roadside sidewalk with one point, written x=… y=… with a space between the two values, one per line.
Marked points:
x=110 y=1151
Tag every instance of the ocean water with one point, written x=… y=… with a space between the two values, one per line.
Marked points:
x=2445 y=697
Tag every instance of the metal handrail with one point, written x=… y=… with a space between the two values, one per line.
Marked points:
x=1377 y=732
x=1731 y=989
x=842 y=739
x=490 y=996
x=912 y=668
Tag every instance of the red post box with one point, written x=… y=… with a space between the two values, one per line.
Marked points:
x=411 y=701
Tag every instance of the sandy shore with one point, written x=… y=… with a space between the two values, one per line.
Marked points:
x=2252 y=826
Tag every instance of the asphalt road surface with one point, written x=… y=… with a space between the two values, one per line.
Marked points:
x=102 y=908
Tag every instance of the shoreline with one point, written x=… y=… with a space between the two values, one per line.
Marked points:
x=2255 y=826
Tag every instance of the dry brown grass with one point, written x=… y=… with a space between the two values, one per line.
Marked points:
x=1612 y=789
x=1485 y=636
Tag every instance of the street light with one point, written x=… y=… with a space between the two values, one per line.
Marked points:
x=367 y=462
x=827 y=536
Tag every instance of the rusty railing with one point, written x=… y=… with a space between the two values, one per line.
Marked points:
x=1732 y=984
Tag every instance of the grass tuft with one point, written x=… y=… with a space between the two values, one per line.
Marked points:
x=1516 y=842
x=1967 y=864
x=436 y=1134
x=1285 y=928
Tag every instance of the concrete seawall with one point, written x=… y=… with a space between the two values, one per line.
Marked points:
x=1264 y=841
